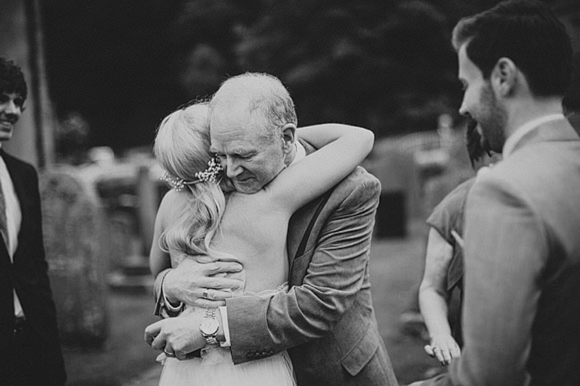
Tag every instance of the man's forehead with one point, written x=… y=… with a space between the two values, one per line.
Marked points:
x=467 y=69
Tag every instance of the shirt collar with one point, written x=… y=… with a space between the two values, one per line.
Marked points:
x=516 y=137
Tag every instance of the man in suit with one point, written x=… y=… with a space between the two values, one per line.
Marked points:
x=326 y=320
x=522 y=257
x=31 y=353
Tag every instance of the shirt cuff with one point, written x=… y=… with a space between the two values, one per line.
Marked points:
x=168 y=304
x=225 y=326
x=164 y=307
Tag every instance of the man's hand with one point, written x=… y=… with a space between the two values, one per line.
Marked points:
x=176 y=336
x=202 y=284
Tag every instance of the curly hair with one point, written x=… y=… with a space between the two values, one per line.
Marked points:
x=12 y=79
x=182 y=149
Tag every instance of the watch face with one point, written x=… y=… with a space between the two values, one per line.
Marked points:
x=209 y=326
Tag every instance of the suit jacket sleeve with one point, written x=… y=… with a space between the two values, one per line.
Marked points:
x=36 y=236
x=264 y=326
x=506 y=249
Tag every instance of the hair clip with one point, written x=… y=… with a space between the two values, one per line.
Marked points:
x=213 y=171
x=211 y=174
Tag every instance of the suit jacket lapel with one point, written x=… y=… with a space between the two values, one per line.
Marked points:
x=300 y=219
x=20 y=188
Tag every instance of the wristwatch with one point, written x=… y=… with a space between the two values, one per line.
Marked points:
x=209 y=327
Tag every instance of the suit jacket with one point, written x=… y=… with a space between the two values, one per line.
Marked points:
x=28 y=276
x=326 y=320
x=522 y=267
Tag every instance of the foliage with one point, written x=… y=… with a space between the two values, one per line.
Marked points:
x=123 y=65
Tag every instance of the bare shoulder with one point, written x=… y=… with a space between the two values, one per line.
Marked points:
x=172 y=203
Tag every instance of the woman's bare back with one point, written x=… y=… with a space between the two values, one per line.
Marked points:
x=254 y=231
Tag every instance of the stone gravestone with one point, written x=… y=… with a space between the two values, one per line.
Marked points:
x=75 y=239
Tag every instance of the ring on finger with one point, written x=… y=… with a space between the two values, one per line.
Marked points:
x=169 y=354
x=205 y=294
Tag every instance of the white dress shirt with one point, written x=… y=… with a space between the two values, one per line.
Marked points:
x=13 y=220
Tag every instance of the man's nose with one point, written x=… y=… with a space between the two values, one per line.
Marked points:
x=233 y=169
x=12 y=108
x=463 y=109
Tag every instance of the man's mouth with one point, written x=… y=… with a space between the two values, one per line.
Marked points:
x=6 y=124
x=243 y=180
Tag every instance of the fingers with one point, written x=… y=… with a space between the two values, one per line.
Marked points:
x=151 y=332
x=169 y=352
x=446 y=356
x=444 y=348
x=222 y=267
x=181 y=355
x=205 y=303
x=159 y=342
x=213 y=294
x=210 y=267
x=443 y=355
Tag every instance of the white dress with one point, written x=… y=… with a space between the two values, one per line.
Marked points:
x=216 y=368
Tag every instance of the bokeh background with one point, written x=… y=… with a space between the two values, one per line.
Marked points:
x=102 y=74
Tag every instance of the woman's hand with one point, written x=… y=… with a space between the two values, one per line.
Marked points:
x=444 y=348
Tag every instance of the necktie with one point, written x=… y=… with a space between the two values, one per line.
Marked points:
x=3 y=221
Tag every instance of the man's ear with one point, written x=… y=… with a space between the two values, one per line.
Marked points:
x=504 y=77
x=288 y=136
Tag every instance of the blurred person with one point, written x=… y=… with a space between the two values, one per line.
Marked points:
x=31 y=352
x=440 y=292
x=522 y=250
x=325 y=320
x=194 y=219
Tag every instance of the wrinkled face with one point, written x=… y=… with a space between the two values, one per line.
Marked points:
x=249 y=159
x=11 y=106
x=481 y=104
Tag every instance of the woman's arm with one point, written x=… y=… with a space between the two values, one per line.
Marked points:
x=159 y=260
x=341 y=149
x=433 y=299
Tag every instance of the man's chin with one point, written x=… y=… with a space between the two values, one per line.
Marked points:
x=246 y=188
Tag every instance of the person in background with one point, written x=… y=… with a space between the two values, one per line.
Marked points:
x=440 y=292
x=522 y=250
x=31 y=353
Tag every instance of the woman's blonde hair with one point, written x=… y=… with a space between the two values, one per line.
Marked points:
x=182 y=149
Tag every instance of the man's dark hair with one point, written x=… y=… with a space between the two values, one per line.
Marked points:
x=528 y=33
x=12 y=79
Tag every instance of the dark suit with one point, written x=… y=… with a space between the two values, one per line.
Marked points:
x=326 y=320
x=28 y=276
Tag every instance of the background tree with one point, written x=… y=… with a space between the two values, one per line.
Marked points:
x=123 y=65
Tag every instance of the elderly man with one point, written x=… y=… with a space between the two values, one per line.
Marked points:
x=326 y=320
